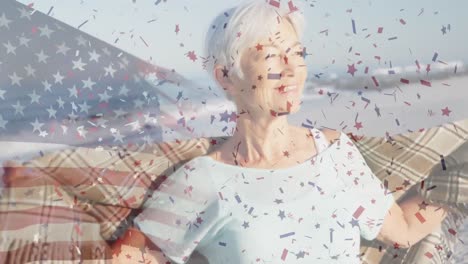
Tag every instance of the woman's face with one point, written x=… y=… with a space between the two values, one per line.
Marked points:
x=271 y=68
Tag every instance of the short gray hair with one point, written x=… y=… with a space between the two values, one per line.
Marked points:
x=254 y=19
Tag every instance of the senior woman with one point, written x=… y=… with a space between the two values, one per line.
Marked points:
x=273 y=192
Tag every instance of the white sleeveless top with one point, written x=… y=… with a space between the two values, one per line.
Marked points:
x=313 y=212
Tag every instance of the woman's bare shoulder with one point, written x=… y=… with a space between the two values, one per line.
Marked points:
x=331 y=134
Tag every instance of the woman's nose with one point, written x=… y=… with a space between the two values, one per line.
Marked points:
x=288 y=68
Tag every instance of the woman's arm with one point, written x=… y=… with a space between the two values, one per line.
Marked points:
x=408 y=223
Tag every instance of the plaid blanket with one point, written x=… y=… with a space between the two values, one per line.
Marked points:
x=71 y=205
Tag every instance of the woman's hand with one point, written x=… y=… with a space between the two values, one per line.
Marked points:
x=129 y=249
x=408 y=223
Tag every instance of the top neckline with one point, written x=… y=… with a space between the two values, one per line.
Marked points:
x=320 y=151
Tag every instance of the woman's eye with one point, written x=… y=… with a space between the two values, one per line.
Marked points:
x=271 y=56
x=300 y=53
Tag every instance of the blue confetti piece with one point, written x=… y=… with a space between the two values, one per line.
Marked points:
x=274 y=76
x=434 y=58
x=354 y=26
x=442 y=161
x=238 y=199
x=287 y=234
x=250 y=210
x=222 y=244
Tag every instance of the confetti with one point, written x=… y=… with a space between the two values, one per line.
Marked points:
x=287 y=234
x=420 y=217
x=442 y=161
x=452 y=231
x=275 y=3
x=50 y=10
x=274 y=76
x=284 y=254
x=426 y=83
x=405 y=81
x=82 y=24
x=358 y=212
x=354 y=26
x=146 y=44
x=292 y=8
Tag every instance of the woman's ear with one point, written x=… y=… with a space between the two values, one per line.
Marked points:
x=224 y=78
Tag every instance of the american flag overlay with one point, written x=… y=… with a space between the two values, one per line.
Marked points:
x=60 y=85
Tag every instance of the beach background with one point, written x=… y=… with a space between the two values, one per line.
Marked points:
x=411 y=62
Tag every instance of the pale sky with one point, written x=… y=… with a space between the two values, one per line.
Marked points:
x=418 y=35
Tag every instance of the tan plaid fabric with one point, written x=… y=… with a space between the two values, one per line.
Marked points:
x=414 y=159
x=105 y=186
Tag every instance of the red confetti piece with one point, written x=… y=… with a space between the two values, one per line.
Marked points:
x=426 y=83
x=420 y=217
x=284 y=255
x=192 y=56
x=380 y=30
x=358 y=212
x=451 y=231
x=402 y=21
x=291 y=6
x=446 y=111
x=428 y=255
x=375 y=81
x=405 y=81
x=275 y=3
